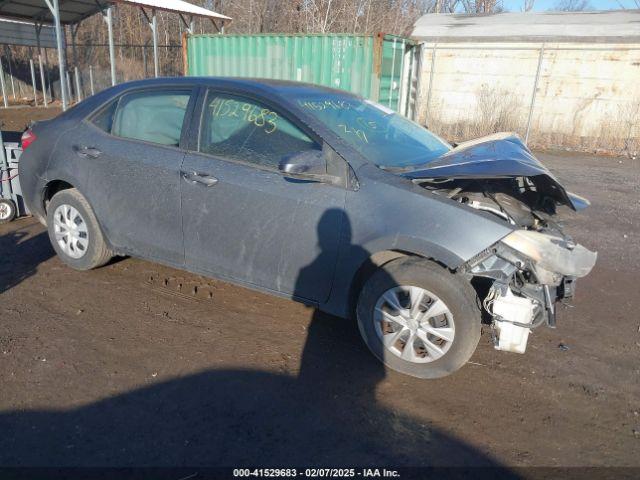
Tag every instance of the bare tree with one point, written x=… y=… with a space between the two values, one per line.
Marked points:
x=482 y=6
x=528 y=5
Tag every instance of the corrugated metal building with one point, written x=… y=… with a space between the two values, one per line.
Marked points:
x=565 y=79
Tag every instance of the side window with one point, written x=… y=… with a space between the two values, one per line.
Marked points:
x=151 y=116
x=241 y=129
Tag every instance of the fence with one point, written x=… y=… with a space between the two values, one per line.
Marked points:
x=577 y=96
x=23 y=81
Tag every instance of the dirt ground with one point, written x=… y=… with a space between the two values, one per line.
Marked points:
x=137 y=364
x=18 y=118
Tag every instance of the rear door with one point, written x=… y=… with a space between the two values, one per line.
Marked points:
x=245 y=221
x=133 y=146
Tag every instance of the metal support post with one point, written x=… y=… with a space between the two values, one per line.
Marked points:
x=153 y=24
x=4 y=91
x=93 y=92
x=78 y=90
x=42 y=84
x=33 y=79
x=112 y=54
x=69 y=93
x=3 y=153
x=55 y=12
x=154 y=30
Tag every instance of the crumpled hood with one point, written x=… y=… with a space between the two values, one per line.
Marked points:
x=502 y=155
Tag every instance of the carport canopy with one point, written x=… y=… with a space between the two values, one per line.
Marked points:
x=71 y=12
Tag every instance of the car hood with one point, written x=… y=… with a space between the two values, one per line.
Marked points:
x=502 y=155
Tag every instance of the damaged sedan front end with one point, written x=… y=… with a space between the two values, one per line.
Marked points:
x=536 y=265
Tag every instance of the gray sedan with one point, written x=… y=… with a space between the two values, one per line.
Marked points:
x=318 y=195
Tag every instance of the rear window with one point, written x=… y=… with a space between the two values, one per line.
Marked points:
x=152 y=116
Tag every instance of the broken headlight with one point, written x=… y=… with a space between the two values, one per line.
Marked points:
x=551 y=253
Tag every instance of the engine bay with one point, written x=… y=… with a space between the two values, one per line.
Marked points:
x=515 y=200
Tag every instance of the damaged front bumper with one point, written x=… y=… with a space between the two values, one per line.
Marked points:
x=529 y=272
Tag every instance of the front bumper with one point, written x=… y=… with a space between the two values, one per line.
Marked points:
x=524 y=291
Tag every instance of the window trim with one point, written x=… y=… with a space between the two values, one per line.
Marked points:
x=194 y=91
x=91 y=118
x=207 y=93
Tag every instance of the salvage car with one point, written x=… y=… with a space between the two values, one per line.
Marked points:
x=318 y=195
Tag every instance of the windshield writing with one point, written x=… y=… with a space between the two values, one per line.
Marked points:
x=381 y=135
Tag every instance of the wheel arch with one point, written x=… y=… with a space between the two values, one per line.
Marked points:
x=53 y=187
x=381 y=256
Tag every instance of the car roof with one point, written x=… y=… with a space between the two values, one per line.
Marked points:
x=262 y=85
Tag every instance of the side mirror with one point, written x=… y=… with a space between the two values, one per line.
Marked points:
x=309 y=165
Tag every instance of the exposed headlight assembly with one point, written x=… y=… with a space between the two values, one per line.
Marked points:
x=553 y=254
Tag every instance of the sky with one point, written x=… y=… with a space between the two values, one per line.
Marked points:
x=542 y=5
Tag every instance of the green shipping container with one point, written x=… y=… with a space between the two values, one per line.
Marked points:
x=379 y=67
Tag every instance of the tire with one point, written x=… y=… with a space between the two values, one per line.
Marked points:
x=8 y=210
x=91 y=250
x=461 y=320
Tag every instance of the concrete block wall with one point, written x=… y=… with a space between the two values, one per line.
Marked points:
x=587 y=96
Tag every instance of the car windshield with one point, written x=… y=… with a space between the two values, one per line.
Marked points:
x=383 y=136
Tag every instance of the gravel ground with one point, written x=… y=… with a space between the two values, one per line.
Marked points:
x=140 y=364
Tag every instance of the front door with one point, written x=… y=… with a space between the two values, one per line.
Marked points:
x=242 y=219
x=133 y=185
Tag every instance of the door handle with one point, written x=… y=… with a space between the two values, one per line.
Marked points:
x=201 y=178
x=87 y=152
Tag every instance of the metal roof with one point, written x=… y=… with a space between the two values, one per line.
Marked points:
x=606 y=26
x=74 y=11
x=16 y=32
x=176 y=6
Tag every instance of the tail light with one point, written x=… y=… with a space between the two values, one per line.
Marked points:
x=28 y=137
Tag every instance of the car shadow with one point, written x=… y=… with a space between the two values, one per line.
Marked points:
x=326 y=415
x=20 y=255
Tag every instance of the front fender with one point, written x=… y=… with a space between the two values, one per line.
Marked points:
x=390 y=213
x=354 y=258
x=415 y=246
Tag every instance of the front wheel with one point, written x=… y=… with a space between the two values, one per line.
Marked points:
x=74 y=231
x=418 y=318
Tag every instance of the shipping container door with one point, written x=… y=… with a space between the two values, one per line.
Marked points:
x=391 y=68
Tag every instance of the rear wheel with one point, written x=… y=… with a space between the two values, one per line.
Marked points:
x=74 y=231
x=7 y=210
x=418 y=318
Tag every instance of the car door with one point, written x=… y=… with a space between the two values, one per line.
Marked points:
x=242 y=219
x=133 y=185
